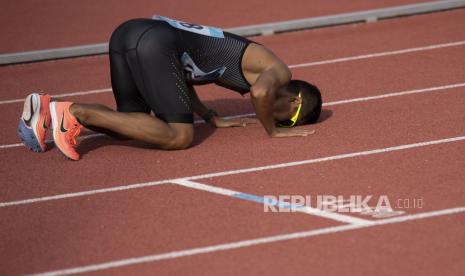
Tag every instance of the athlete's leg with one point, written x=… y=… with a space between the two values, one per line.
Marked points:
x=133 y=118
x=104 y=130
x=137 y=125
x=147 y=77
x=125 y=91
x=157 y=76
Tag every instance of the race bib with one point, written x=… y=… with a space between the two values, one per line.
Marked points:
x=193 y=28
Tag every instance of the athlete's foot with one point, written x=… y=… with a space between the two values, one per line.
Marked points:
x=35 y=121
x=65 y=129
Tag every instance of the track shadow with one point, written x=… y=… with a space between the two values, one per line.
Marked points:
x=201 y=131
x=231 y=106
x=325 y=115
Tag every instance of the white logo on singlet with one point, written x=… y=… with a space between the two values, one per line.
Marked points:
x=195 y=74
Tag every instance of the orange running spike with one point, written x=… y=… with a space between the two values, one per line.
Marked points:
x=65 y=129
x=35 y=121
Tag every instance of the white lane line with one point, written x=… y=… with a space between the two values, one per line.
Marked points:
x=205 y=187
x=247 y=243
x=83 y=193
x=329 y=158
x=80 y=138
x=259 y=199
x=14 y=145
x=362 y=99
x=381 y=54
x=231 y=172
x=70 y=94
x=308 y=64
x=396 y=94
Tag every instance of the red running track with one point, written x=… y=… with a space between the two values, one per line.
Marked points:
x=83 y=74
x=118 y=225
x=31 y=25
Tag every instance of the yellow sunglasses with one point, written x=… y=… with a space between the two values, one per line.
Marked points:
x=291 y=122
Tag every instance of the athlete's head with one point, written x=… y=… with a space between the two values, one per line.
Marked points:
x=298 y=103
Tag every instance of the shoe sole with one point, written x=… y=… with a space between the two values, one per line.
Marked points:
x=28 y=135
x=55 y=128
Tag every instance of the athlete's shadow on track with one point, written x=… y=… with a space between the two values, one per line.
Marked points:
x=325 y=114
x=202 y=131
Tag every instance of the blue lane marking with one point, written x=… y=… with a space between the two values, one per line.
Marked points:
x=250 y=197
x=268 y=201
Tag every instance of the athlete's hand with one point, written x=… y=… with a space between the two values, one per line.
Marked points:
x=237 y=122
x=290 y=132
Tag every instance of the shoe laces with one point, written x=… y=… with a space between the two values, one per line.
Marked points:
x=73 y=132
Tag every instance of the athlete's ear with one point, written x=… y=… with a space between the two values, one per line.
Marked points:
x=294 y=102
x=296 y=99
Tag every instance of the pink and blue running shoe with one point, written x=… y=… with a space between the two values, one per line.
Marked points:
x=35 y=121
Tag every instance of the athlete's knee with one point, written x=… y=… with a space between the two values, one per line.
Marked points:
x=180 y=142
x=181 y=139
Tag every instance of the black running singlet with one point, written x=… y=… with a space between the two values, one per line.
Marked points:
x=155 y=62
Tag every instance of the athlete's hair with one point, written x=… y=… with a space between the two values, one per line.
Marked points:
x=311 y=101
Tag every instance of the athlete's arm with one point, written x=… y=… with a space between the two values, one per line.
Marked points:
x=200 y=109
x=267 y=73
x=262 y=93
x=197 y=106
